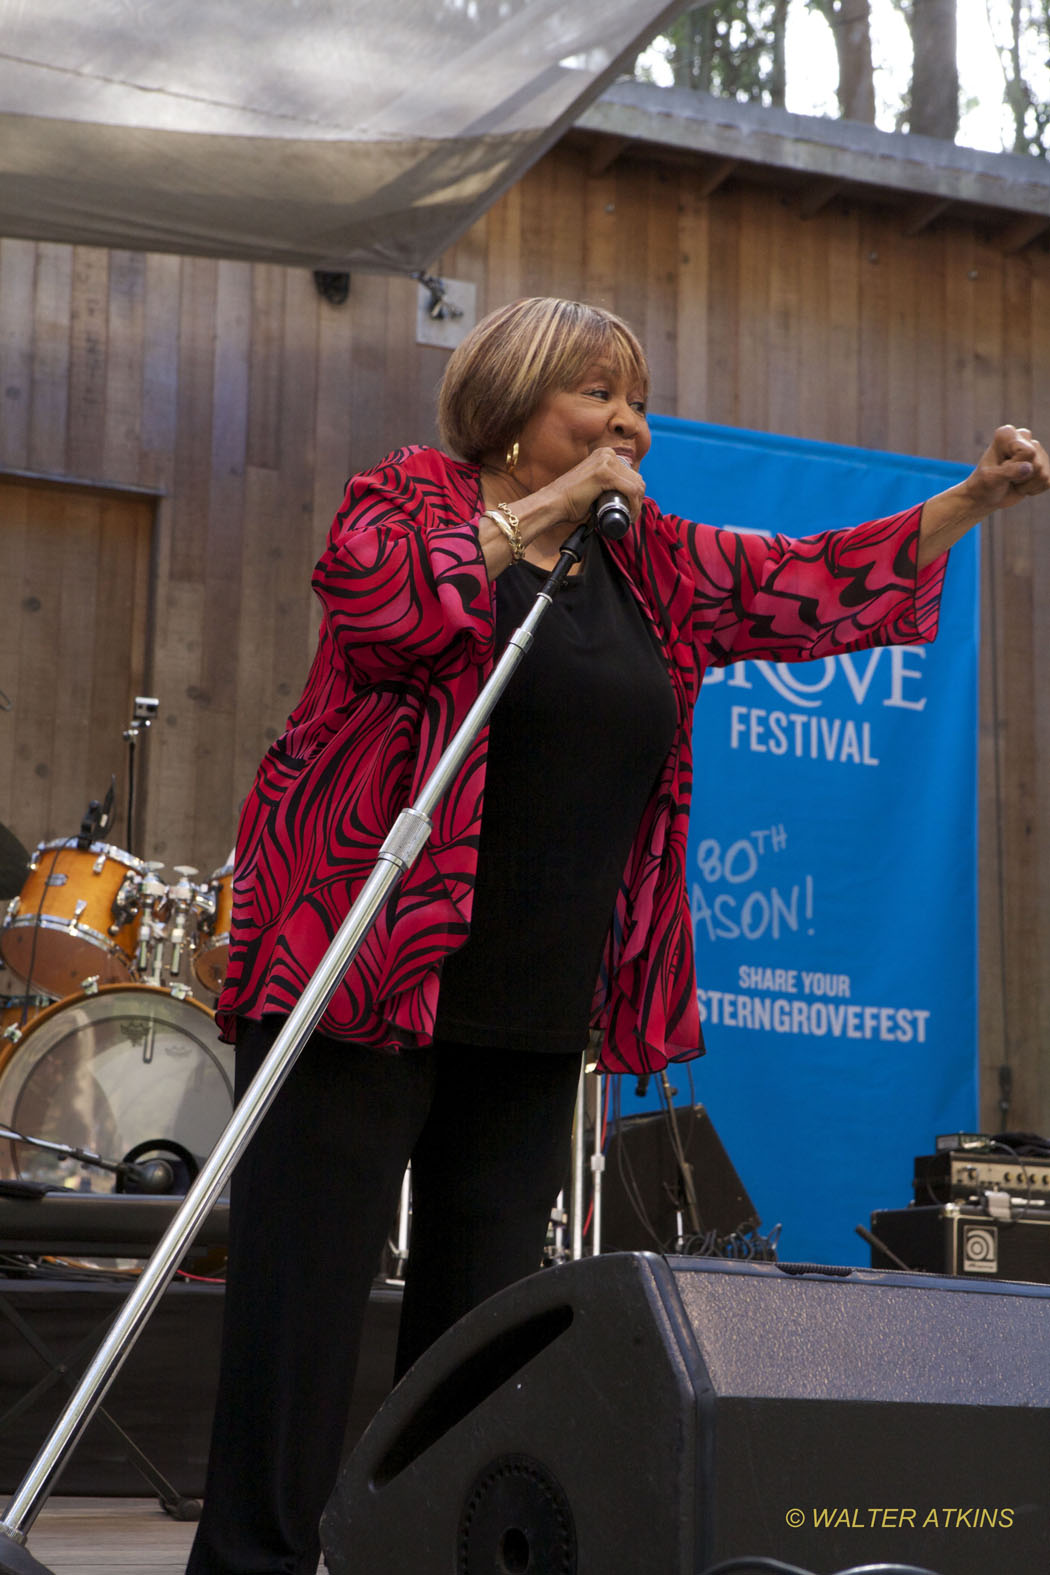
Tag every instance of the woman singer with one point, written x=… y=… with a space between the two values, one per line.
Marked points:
x=547 y=911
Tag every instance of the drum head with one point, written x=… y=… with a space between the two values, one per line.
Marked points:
x=132 y=1065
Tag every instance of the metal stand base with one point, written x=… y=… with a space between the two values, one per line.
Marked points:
x=174 y=1503
x=15 y=1557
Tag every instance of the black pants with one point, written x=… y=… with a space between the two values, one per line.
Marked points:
x=312 y=1201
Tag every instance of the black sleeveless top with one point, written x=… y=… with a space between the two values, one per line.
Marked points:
x=576 y=743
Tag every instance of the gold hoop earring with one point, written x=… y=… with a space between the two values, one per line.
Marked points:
x=511 y=457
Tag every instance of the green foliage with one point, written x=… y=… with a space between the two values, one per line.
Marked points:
x=734 y=48
x=1024 y=47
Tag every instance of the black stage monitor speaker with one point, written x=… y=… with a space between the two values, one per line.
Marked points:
x=643 y=1204
x=630 y=1414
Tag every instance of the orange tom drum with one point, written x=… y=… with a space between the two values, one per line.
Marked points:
x=75 y=917
x=212 y=947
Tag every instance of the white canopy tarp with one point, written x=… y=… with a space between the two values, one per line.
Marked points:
x=333 y=134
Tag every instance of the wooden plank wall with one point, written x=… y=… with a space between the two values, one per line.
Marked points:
x=74 y=600
x=244 y=400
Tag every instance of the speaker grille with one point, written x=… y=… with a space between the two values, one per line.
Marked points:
x=516 y=1521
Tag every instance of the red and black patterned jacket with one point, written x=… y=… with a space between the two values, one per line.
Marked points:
x=405 y=645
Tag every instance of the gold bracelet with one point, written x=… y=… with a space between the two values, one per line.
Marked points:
x=517 y=545
x=507 y=521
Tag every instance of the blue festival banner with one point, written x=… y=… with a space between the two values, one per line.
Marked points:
x=832 y=863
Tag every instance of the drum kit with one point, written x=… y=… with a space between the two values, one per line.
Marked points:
x=104 y=1050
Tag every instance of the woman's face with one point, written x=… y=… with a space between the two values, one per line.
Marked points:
x=601 y=410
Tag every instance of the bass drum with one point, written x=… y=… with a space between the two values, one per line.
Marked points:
x=130 y=1068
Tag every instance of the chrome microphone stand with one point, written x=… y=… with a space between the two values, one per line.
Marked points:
x=578 y=1143
x=597 y=1165
x=402 y=847
x=579 y=1213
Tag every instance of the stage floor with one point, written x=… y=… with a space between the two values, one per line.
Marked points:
x=127 y=1536
x=132 y=1536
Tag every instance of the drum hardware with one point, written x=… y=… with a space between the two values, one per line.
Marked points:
x=215 y=914
x=97 y=818
x=182 y=900
x=151 y=930
x=159 y=1166
x=126 y=903
x=157 y=1176
x=16 y=1013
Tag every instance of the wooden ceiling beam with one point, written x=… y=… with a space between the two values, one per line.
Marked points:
x=1021 y=232
x=605 y=153
x=718 y=173
x=926 y=213
x=817 y=195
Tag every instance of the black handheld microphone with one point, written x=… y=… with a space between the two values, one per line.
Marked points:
x=611 y=515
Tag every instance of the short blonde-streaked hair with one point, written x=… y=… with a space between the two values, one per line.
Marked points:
x=518 y=354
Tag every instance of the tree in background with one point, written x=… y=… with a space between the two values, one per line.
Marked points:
x=932 y=105
x=736 y=49
x=850 y=23
x=1029 y=26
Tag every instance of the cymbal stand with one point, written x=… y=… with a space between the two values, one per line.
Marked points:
x=403 y=845
x=144 y=712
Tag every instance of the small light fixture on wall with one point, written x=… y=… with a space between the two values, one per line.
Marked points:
x=332 y=287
